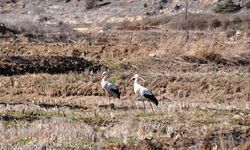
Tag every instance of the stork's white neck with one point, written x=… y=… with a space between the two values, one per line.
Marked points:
x=103 y=82
x=104 y=78
x=136 y=81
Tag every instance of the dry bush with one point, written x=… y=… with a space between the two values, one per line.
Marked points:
x=144 y=24
x=226 y=24
x=155 y=21
x=248 y=5
x=127 y=25
x=205 y=21
x=227 y=6
x=236 y=22
x=195 y=21
x=215 y=23
x=89 y=4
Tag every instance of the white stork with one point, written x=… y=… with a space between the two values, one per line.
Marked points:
x=110 y=89
x=143 y=92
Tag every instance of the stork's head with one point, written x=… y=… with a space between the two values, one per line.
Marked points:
x=105 y=73
x=136 y=76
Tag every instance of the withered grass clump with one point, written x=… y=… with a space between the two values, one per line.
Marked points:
x=172 y=125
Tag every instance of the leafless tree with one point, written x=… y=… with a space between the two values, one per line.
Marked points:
x=186 y=21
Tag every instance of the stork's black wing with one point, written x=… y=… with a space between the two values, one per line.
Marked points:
x=115 y=90
x=151 y=97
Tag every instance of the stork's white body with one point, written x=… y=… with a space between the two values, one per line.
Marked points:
x=110 y=89
x=140 y=90
x=143 y=92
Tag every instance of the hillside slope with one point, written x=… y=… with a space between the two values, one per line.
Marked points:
x=79 y=12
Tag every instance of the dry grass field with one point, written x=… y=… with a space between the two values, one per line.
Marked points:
x=53 y=53
x=51 y=96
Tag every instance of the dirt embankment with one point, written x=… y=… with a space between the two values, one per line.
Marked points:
x=17 y=65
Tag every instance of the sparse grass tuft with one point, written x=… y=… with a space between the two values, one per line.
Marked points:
x=146 y=116
x=44 y=84
x=112 y=141
x=85 y=144
x=24 y=140
x=73 y=118
x=241 y=119
x=219 y=99
x=132 y=139
x=113 y=79
x=69 y=147
x=98 y=120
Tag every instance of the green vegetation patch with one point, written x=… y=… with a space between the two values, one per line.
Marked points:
x=146 y=116
x=69 y=147
x=73 y=118
x=240 y=119
x=24 y=140
x=132 y=139
x=99 y=120
x=79 y=145
x=113 y=79
x=9 y=118
x=112 y=141
x=44 y=84
x=34 y=113
x=248 y=5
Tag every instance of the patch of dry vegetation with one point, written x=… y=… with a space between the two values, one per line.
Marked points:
x=228 y=6
x=202 y=86
x=196 y=22
x=172 y=125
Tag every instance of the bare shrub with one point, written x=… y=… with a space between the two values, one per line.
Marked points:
x=226 y=24
x=248 y=5
x=227 y=6
x=230 y=33
x=89 y=4
x=237 y=20
x=195 y=22
x=215 y=23
x=156 y=21
x=199 y=23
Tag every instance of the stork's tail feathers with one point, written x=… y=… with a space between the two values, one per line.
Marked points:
x=118 y=94
x=155 y=101
x=152 y=98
